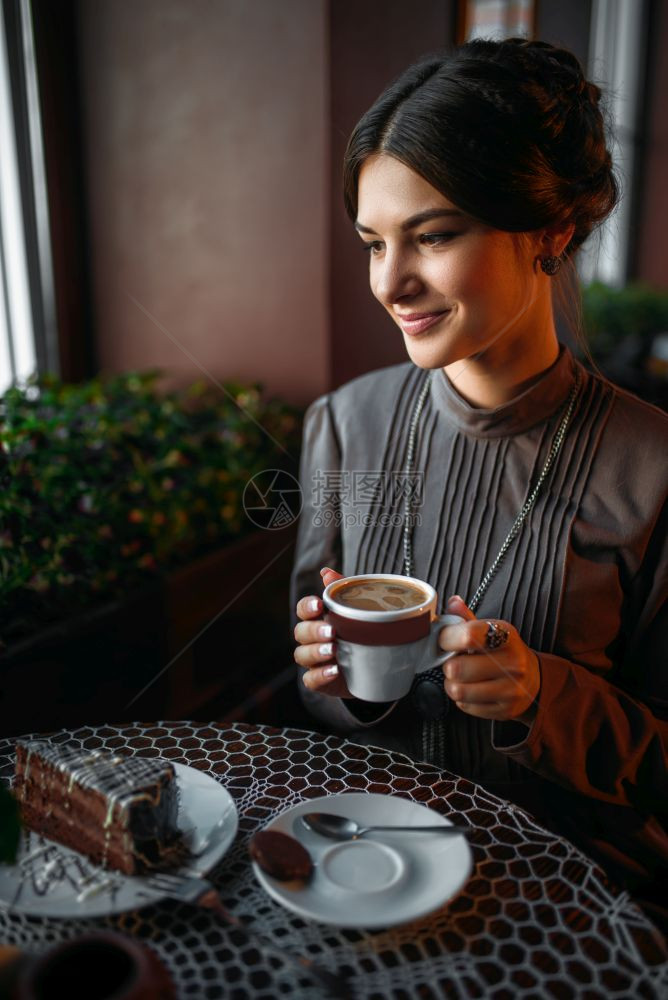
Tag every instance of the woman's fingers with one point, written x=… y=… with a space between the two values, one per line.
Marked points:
x=481 y=693
x=470 y=635
x=472 y=668
x=457 y=606
x=315 y=631
x=316 y=651
x=329 y=575
x=326 y=680
x=479 y=680
x=497 y=681
x=309 y=607
x=321 y=672
x=312 y=607
x=485 y=710
x=500 y=684
x=313 y=654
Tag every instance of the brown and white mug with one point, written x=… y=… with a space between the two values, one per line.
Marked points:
x=380 y=652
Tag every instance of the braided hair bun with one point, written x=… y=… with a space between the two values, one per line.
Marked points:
x=510 y=131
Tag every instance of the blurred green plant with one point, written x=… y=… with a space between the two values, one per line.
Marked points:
x=109 y=482
x=610 y=315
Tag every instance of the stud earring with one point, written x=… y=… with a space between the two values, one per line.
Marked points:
x=550 y=265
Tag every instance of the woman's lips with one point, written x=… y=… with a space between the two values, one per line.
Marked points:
x=414 y=323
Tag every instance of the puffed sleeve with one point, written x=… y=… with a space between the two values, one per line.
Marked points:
x=318 y=539
x=318 y=545
x=319 y=533
x=607 y=737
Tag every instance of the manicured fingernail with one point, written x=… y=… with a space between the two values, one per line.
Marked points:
x=330 y=671
x=325 y=632
x=326 y=649
x=313 y=604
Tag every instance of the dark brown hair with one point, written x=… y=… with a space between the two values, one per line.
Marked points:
x=509 y=131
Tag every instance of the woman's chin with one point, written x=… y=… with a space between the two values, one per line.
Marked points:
x=430 y=355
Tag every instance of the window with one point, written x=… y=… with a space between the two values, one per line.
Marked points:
x=27 y=323
x=498 y=19
x=617 y=52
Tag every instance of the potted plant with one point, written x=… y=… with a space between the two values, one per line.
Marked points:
x=623 y=328
x=107 y=489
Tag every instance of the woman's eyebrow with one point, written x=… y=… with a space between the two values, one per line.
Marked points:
x=417 y=220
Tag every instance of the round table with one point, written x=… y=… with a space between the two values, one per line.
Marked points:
x=536 y=918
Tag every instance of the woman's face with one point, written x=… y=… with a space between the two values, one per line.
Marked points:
x=456 y=288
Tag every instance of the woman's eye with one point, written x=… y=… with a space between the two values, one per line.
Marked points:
x=373 y=248
x=436 y=239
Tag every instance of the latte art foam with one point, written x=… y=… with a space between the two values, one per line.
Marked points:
x=379 y=595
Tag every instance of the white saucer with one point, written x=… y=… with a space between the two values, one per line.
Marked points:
x=382 y=880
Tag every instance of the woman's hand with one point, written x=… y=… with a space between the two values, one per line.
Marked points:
x=317 y=649
x=501 y=683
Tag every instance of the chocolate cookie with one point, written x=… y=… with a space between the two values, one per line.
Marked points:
x=281 y=856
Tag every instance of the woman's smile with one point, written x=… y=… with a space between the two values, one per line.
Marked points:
x=416 y=323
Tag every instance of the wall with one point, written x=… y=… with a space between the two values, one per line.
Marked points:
x=652 y=215
x=211 y=238
x=565 y=23
x=206 y=141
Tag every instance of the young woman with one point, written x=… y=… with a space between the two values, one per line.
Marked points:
x=472 y=182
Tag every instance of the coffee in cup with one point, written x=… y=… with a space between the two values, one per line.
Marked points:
x=371 y=594
x=387 y=630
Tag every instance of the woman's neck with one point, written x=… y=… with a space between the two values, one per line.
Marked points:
x=502 y=372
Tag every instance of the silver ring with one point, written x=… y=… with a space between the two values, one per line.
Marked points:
x=496 y=636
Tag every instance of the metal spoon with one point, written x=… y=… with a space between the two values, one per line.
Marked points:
x=342 y=828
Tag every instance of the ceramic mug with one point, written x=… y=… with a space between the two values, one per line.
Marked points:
x=379 y=651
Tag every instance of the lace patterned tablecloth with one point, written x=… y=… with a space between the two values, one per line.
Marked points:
x=536 y=918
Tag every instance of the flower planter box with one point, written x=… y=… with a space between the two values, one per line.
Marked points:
x=204 y=640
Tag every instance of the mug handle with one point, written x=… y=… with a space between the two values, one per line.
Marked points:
x=437 y=656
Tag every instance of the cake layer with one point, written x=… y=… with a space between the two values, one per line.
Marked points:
x=120 y=811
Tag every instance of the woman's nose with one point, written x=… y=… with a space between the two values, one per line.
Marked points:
x=395 y=279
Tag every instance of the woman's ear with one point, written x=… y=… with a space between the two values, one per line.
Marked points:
x=555 y=239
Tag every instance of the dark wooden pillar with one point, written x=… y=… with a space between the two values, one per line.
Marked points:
x=57 y=53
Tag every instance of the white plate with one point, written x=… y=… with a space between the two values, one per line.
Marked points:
x=381 y=881
x=50 y=880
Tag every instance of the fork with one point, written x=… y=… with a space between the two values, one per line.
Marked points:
x=201 y=892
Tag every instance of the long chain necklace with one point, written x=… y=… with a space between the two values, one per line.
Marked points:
x=428 y=687
x=555 y=447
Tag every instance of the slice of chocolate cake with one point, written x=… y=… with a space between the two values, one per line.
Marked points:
x=120 y=811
